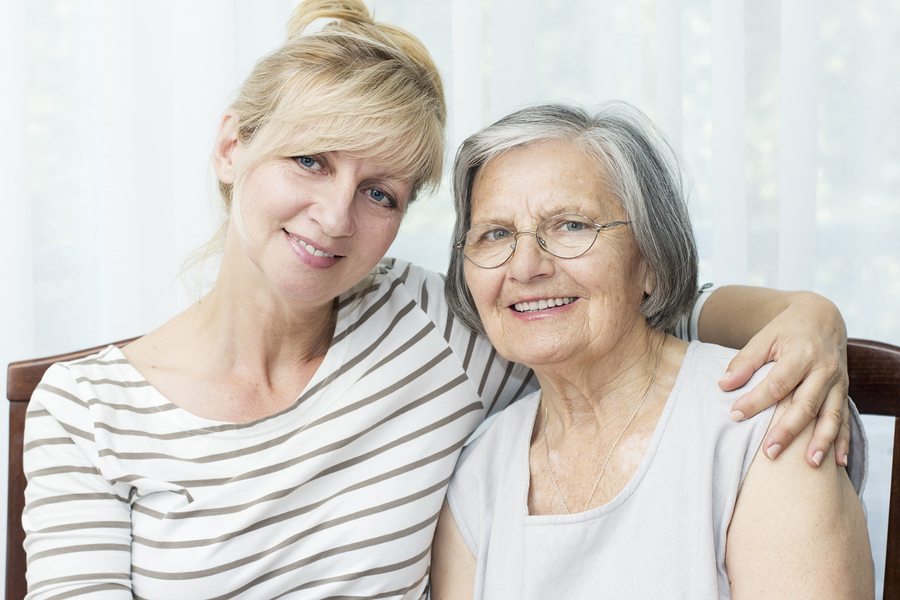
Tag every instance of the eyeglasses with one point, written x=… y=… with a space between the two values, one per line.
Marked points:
x=567 y=235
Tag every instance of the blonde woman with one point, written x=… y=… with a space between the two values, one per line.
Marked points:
x=293 y=432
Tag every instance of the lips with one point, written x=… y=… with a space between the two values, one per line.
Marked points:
x=543 y=304
x=312 y=250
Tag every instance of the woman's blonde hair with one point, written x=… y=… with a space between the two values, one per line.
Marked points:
x=350 y=84
x=342 y=82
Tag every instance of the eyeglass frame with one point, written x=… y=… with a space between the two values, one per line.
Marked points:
x=542 y=243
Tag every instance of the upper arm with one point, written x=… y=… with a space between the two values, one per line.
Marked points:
x=798 y=532
x=78 y=529
x=452 y=563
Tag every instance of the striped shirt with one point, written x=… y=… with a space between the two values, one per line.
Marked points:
x=335 y=497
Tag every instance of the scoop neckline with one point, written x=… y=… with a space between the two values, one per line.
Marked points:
x=634 y=481
x=331 y=362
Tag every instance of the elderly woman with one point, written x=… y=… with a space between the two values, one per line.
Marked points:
x=625 y=475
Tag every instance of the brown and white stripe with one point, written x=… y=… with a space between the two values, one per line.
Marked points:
x=336 y=497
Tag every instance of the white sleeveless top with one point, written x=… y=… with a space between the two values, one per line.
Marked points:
x=662 y=536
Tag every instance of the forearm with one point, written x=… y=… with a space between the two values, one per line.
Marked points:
x=735 y=313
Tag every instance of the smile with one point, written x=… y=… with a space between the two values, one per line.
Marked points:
x=541 y=304
x=313 y=250
x=309 y=247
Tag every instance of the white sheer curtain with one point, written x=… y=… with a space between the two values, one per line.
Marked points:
x=784 y=114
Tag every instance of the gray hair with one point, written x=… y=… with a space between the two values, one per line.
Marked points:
x=640 y=170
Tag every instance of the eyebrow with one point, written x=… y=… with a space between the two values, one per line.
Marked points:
x=568 y=209
x=493 y=221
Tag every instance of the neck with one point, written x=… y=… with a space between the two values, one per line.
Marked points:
x=588 y=441
x=603 y=388
x=249 y=328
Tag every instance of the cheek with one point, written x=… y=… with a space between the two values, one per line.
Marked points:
x=474 y=283
x=372 y=244
x=378 y=231
x=484 y=286
x=388 y=233
x=261 y=199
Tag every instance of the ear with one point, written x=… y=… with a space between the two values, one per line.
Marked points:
x=649 y=279
x=226 y=149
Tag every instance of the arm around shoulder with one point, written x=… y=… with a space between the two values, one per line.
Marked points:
x=734 y=314
x=798 y=532
x=804 y=333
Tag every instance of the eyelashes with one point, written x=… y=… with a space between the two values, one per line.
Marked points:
x=377 y=195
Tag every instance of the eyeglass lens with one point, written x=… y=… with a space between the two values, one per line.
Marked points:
x=565 y=236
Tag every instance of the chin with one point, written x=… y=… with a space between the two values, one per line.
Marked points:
x=533 y=357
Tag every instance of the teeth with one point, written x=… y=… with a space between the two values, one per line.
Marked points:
x=313 y=250
x=541 y=304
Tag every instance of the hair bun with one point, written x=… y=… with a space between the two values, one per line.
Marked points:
x=312 y=16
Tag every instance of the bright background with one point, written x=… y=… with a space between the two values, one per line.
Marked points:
x=785 y=114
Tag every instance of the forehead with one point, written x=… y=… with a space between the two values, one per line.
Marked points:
x=540 y=179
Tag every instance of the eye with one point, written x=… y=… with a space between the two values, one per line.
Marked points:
x=381 y=197
x=567 y=224
x=495 y=234
x=574 y=226
x=308 y=162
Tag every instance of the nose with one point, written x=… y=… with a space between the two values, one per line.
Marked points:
x=332 y=208
x=529 y=259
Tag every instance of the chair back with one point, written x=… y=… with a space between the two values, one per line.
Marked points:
x=874 y=369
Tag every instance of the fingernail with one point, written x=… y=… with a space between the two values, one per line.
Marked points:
x=846 y=461
x=817 y=457
x=727 y=376
x=773 y=450
x=737 y=415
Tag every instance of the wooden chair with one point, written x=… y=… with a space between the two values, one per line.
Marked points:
x=874 y=369
x=874 y=385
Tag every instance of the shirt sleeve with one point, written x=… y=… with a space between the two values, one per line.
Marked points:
x=858 y=458
x=687 y=327
x=77 y=523
x=496 y=380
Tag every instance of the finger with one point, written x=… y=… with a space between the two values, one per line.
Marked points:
x=842 y=445
x=831 y=419
x=750 y=358
x=780 y=381
x=805 y=405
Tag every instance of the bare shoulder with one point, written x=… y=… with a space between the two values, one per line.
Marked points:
x=798 y=532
